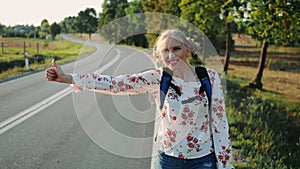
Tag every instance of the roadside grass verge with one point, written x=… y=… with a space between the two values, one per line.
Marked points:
x=264 y=124
x=279 y=85
x=264 y=131
x=63 y=50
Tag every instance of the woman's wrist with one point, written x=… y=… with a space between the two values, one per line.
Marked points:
x=66 y=78
x=69 y=79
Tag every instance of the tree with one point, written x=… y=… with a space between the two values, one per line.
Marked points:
x=205 y=15
x=54 y=30
x=162 y=6
x=232 y=11
x=2 y=27
x=88 y=21
x=112 y=10
x=70 y=25
x=158 y=22
x=44 y=29
x=136 y=27
x=272 y=22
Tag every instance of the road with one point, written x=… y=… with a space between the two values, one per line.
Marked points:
x=42 y=126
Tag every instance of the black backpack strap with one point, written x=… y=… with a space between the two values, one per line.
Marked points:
x=165 y=83
x=206 y=86
x=205 y=82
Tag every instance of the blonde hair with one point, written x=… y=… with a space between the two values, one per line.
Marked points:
x=178 y=35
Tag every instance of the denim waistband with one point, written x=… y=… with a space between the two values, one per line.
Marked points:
x=169 y=162
x=207 y=157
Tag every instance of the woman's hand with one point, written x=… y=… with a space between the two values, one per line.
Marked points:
x=56 y=74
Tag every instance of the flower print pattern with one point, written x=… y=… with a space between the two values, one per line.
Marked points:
x=196 y=91
x=146 y=82
x=193 y=143
x=218 y=108
x=224 y=155
x=172 y=93
x=221 y=139
x=184 y=130
x=120 y=85
x=181 y=156
x=204 y=128
x=187 y=116
x=170 y=138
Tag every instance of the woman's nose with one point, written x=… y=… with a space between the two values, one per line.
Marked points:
x=171 y=54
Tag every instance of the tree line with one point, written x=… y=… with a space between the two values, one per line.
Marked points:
x=272 y=22
x=85 y=22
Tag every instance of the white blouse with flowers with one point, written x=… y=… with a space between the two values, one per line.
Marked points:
x=184 y=131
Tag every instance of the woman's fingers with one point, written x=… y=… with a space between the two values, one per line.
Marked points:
x=54 y=63
x=55 y=73
x=51 y=74
x=57 y=68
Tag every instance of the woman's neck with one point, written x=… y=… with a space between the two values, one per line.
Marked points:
x=186 y=73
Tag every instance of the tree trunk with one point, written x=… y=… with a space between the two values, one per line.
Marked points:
x=90 y=36
x=256 y=83
x=227 y=51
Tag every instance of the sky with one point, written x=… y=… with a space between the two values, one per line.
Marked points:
x=13 y=12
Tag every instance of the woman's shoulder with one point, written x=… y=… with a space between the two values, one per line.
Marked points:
x=211 y=71
x=151 y=73
x=213 y=74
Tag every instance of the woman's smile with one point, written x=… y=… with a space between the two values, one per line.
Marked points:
x=173 y=62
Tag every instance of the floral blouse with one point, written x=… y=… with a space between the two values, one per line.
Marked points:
x=184 y=130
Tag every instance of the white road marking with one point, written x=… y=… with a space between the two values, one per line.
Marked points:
x=27 y=113
x=33 y=110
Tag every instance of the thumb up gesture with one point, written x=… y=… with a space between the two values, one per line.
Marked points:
x=55 y=73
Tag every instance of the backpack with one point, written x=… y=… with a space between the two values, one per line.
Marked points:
x=165 y=83
x=166 y=79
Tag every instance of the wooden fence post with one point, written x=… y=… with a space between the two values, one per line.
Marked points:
x=2 y=47
x=37 y=48
x=24 y=47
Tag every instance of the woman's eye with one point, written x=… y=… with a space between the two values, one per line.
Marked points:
x=177 y=49
x=164 y=50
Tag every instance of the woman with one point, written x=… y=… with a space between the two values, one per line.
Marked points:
x=184 y=133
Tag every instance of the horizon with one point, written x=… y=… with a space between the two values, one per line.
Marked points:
x=33 y=12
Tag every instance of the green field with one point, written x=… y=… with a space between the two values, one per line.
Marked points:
x=14 y=50
x=264 y=124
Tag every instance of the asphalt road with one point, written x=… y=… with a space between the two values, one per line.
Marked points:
x=55 y=136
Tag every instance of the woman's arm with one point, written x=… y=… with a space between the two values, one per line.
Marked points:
x=145 y=82
x=220 y=128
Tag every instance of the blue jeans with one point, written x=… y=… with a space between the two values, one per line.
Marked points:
x=164 y=161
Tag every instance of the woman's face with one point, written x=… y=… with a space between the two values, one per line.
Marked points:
x=172 y=53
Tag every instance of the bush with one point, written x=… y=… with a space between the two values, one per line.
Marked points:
x=39 y=59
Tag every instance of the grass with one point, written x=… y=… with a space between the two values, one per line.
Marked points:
x=14 y=49
x=264 y=130
x=81 y=36
x=279 y=84
x=264 y=124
